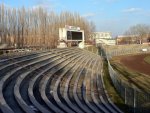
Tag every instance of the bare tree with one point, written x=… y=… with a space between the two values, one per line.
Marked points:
x=37 y=27
x=138 y=31
x=2 y=23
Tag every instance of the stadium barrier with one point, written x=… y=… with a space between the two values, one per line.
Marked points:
x=137 y=100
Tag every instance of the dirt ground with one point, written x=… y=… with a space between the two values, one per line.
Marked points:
x=136 y=63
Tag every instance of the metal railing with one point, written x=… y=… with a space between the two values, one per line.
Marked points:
x=138 y=101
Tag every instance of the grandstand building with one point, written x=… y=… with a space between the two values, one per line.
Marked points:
x=102 y=38
x=70 y=36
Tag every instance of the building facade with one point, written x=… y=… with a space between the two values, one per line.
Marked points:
x=100 y=35
x=103 y=38
x=133 y=39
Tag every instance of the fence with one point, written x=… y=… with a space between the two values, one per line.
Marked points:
x=138 y=101
x=125 y=49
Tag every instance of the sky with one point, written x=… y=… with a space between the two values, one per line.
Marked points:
x=114 y=16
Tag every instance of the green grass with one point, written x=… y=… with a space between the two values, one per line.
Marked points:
x=147 y=59
x=112 y=91
x=113 y=94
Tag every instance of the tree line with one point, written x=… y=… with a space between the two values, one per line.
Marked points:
x=137 y=34
x=37 y=26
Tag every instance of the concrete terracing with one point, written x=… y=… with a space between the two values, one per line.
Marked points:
x=59 y=80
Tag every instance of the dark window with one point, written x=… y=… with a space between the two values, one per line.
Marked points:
x=69 y=35
x=72 y=35
x=148 y=39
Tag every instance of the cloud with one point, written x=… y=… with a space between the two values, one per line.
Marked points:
x=100 y=1
x=95 y=1
x=47 y=4
x=111 y=1
x=88 y=15
x=132 y=10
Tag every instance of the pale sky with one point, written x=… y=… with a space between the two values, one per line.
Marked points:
x=115 y=16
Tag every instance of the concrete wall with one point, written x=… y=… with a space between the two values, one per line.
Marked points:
x=100 y=35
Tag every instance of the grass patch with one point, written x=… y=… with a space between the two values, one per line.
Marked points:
x=117 y=100
x=92 y=49
x=147 y=59
x=127 y=73
x=130 y=76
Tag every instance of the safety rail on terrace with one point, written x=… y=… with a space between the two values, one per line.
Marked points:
x=137 y=100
